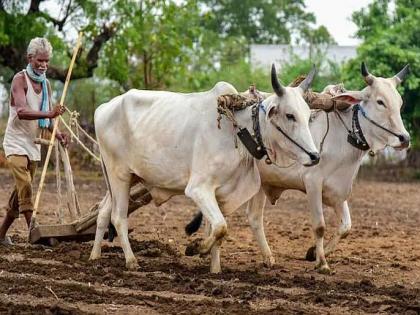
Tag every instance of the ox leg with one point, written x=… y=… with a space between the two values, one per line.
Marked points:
x=102 y=222
x=120 y=197
x=314 y=193
x=205 y=199
x=342 y=211
x=255 y=210
x=214 y=253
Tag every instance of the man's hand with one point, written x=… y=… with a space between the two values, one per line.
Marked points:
x=57 y=110
x=63 y=138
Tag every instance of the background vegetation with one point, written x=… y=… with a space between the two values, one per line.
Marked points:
x=190 y=45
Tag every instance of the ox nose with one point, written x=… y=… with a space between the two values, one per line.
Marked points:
x=314 y=158
x=405 y=141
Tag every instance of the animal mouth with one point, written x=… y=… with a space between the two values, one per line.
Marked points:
x=311 y=163
x=401 y=147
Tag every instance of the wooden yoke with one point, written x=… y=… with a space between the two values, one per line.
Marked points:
x=323 y=100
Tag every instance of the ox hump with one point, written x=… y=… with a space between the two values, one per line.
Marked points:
x=223 y=87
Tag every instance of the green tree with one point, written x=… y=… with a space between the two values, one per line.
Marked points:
x=21 y=21
x=391 y=39
x=155 y=42
x=260 y=22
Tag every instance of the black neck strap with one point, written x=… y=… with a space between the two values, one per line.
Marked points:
x=257 y=130
x=355 y=136
x=254 y=143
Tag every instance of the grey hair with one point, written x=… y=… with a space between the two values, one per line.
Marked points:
x=37 y=45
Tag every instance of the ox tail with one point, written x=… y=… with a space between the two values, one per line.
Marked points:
x=112 y=231
x=108 y=185
x=195 y=224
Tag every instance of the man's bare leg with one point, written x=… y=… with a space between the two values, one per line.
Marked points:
x=28 y=217
x=7 y=222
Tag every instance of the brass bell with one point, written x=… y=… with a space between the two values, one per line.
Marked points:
x=268 y=161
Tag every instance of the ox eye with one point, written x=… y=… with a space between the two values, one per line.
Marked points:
x=380 y=102
x=290 y=117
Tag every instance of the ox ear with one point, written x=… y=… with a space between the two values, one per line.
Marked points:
x=350 y=97
x=271 y=110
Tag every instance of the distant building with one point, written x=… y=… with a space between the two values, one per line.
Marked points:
x=264 y=55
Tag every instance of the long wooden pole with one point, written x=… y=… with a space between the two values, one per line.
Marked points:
x=54 y=132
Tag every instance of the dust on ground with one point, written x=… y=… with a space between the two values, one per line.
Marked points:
x=376 y=269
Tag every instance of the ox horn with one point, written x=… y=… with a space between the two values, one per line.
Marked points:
x=366 y=75
x=277 y=87
x=305 y=84
x=400 y=76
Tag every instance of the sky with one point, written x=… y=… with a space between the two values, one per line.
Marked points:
x=335 y=15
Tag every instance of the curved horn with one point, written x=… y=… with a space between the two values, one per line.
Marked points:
x=403 y=73
x=305 y=84
x=277 y=87
x=366 y=75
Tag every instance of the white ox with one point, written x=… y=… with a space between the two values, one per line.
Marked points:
x=330 y=182
x=171 y=143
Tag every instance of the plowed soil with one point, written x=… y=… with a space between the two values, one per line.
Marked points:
x=376 y=269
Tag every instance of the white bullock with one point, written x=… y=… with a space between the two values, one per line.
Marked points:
x=376 y=123
x=171 y=143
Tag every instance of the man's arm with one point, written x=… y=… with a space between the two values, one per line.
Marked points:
x=19 y=101
x=60 y=136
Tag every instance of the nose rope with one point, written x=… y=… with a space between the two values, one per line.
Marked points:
x=256 y=110
x=355 y=135
x=399 y=136
x=310 y=154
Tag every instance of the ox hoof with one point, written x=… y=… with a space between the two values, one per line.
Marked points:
x=325 y=270
x=132 y=264
x=215 y=270
x=193 y=248
x=311 y=254
x=269 y=262
x=93 y=257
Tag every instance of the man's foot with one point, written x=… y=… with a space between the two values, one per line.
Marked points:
x=6 y=241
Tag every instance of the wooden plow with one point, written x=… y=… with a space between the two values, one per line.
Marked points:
x=84 y=228
x=81 y=228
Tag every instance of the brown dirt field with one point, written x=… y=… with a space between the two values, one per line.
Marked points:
x=376 y=269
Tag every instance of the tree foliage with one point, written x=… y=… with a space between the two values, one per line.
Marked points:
x=391 y=39
x=153 y=44
x=24 y=20
x=185 y=45
x=262 y=22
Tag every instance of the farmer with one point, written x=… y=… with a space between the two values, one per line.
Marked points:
x=30 y=114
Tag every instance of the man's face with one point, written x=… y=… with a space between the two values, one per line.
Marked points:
x=39 y=62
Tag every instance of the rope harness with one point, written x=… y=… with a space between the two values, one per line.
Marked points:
x=228 y=104
x=355 y=135
x=73 y=121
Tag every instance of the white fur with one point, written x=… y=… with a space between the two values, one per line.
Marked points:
x=329 y=182
x=172 y=143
